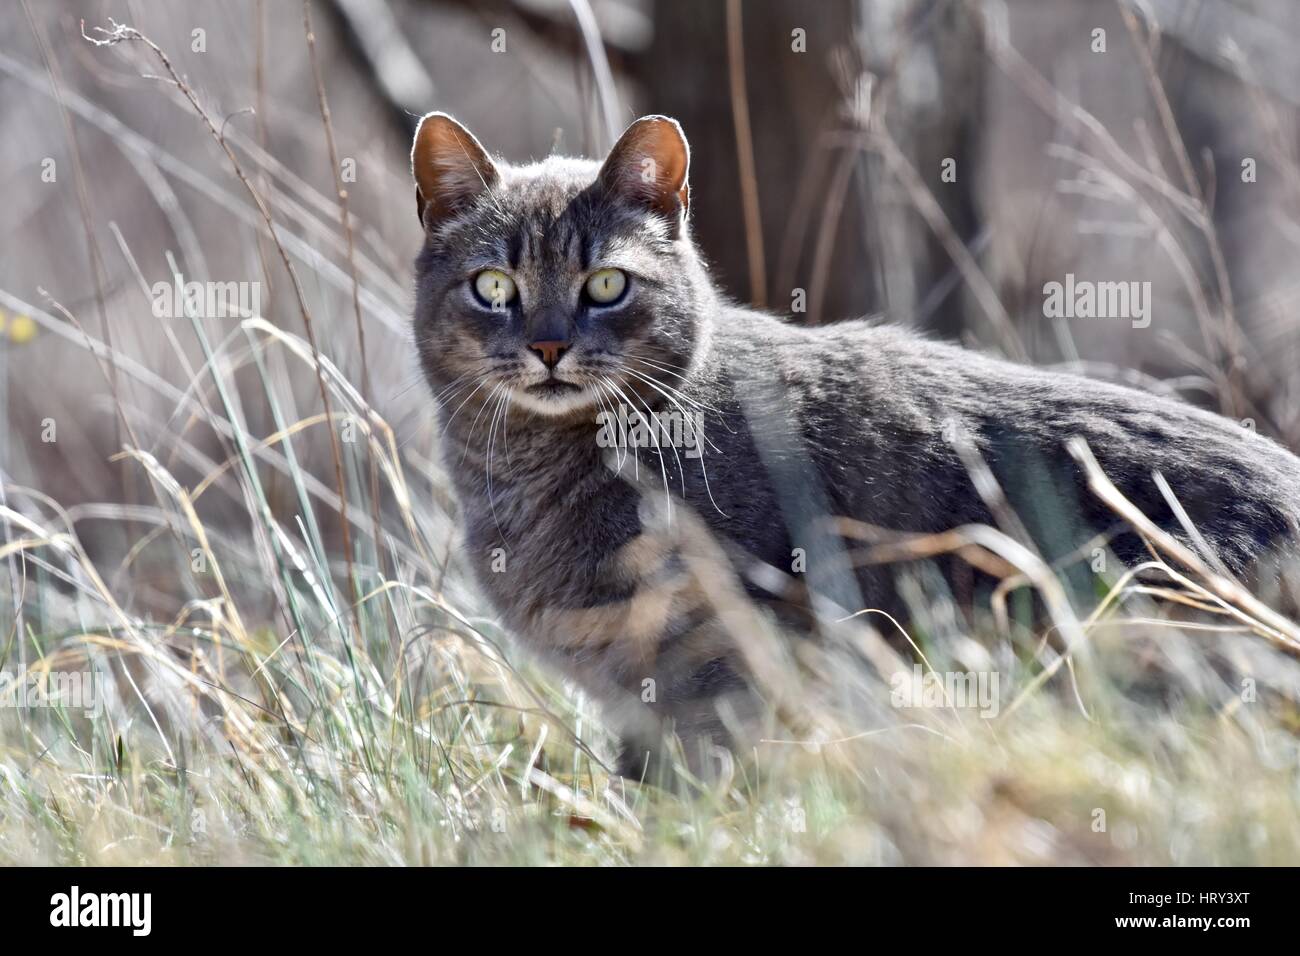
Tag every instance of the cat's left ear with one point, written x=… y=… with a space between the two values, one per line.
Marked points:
x=648 y=167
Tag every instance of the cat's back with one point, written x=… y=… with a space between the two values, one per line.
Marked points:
x=889 y=377
x=881 y=411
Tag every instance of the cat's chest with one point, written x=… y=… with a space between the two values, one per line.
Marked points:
x=544 y=525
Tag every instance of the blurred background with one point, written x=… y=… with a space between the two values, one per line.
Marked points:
x=933 y=162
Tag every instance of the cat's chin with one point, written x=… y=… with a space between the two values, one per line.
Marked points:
x=555 y=400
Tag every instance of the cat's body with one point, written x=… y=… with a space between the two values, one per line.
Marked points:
x=574 y=543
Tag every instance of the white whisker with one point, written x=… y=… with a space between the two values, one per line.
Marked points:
x=700 y=440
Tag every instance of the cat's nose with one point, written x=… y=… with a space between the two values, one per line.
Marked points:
x=548 y=332
x=550 y=351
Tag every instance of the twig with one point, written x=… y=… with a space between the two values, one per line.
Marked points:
x=401 y=78
x=1284 y=631
x=345 y=218
x=745 y=156
x=934 y=216
x=122 y=32
x=595 y=46
x=88 y=224
x=1176 y=143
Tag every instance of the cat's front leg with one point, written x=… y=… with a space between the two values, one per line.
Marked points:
x=701 y=718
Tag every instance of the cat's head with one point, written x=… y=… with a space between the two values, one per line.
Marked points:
x=560 y=283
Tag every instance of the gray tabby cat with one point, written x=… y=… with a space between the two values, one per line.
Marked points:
x=553 y=293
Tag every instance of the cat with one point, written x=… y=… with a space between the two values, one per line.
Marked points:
x=564 y=300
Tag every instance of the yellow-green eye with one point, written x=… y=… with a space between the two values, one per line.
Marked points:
x=495 y=288
x=606 y=286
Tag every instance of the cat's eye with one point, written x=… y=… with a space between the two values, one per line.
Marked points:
x=606 y=286
x=494 y=288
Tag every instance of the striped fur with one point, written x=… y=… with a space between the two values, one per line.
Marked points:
x=575 y=544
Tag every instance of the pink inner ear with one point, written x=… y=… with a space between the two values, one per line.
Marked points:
x=649 y=165
x=449 y=166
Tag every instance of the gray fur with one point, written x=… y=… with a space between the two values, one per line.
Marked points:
x=844 y=420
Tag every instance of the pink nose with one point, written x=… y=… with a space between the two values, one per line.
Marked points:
x=550 y=351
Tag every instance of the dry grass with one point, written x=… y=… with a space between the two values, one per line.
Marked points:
x=294 y=669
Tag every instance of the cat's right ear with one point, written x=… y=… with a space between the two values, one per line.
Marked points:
x=449 y=166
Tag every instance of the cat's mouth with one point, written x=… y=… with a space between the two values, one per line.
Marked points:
x=553 y=387
x=553 y=396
